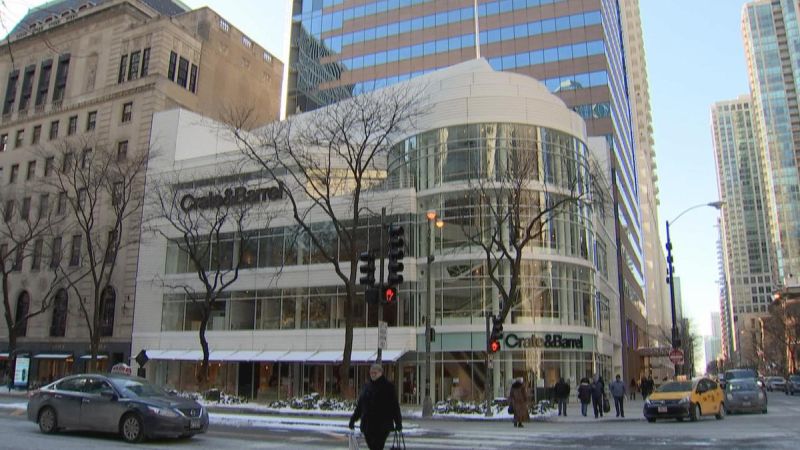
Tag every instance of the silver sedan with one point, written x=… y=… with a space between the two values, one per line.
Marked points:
x=744 y=395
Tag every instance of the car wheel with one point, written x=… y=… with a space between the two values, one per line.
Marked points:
x=764 y=411
x=651 y=419
x=186 y=436
x=131 y=428
x=721 y=414
x=694 y=412
x=48 y=421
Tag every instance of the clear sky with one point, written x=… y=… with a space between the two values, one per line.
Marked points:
x=694 y=58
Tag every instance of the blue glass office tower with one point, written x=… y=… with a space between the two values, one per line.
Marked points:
x=577 y=48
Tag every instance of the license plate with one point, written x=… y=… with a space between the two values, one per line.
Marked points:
x=195 y=423
x=662 y=409
x=746 y=403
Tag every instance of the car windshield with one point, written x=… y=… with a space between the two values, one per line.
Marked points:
x=742 y=385
x=734 y=374
x=795 y=378
x=676 y=386
x=139 y=388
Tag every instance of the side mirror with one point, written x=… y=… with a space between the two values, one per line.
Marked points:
x=110 y=396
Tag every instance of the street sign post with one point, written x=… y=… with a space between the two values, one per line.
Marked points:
x=676 y=356
x=383 y=329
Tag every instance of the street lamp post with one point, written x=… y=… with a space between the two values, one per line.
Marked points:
x=676 y=342
x=427 y=402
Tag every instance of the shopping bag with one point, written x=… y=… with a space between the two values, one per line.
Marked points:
x=399 y=441
x=510 y=409
x=352 y=440
x=606 y=405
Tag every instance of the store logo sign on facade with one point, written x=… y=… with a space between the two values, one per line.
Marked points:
x=548 y=341
x=230 y=197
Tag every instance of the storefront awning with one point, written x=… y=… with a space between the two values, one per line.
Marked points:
x=219 y=355
x=90 y=357
x=361 y=356
x=53 y=356
x=300 y=356
x=325 y=356
x=267 y=356
x=175 y=355
x=392 y=355
x=3 y=355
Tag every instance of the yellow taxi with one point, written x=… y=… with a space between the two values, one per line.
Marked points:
x=683 y=399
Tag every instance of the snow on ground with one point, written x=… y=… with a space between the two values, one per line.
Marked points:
x=293 y=423
x=20 y=405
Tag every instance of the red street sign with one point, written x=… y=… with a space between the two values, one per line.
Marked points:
x=676 y=356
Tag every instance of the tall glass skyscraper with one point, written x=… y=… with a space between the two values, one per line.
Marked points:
x=772 y=47
x=577 y=48
x=747 y=254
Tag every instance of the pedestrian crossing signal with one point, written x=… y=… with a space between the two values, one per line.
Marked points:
x=494 y=345
x=389 y=296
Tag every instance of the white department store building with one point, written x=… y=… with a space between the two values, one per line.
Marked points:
x=280 y=332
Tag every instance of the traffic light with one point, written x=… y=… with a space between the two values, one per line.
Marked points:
x=389 y=295
x=496 y=335
x=396 y=255
x=367 y=269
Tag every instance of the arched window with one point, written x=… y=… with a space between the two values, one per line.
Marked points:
x=107 y=303
x=23 y=305
x=58 y=326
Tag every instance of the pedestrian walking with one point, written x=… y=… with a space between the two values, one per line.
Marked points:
x=647 y=386
x=584 y=395
x=617 y=389
x=633 y=389
x=598 y=391
x=561 y=391
x=518 y=400
x=378 y=409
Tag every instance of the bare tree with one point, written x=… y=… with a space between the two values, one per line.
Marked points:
x=100 y=188
x=211 y=232
x=324 y=161
x=24 y=236
x=781 y=333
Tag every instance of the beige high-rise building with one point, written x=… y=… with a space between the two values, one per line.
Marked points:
x=100 y=70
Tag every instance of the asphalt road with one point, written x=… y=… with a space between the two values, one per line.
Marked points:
x=780 y=429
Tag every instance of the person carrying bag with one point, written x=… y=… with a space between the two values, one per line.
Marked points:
x=399 y=441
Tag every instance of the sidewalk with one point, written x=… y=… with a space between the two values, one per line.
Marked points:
x=633 y=412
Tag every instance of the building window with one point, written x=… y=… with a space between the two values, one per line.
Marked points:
x=82 y=194
x=145 y=61
x=27 y=87
x=36 y=257
x=122 y=151
x=44 y=205
x=247 y=42
x=58 y=326
x=127 y=112
x=37 y=134
x=173 y=60
x=267 y=56
x=67 y=162
x=133 y=70
x=117 y=193
x=123 y=66
x=72 y=126
x=3 y=142
x=91 y=121
x=25 y=210
x=193 y=79
x=61 y=206
x=107 y=307
x=55 y=252
x=61 y=78
x=183 y=72
x=31 y=170
x=21 y=316
x=8 y=214
x=19 y=139
x=86 y=158
x=11 y=92
x=14 y=173
x=17 y=266
x=224 y=25
x=44 y=82
x=49 y=165
x=75 y=251
x=53 y=134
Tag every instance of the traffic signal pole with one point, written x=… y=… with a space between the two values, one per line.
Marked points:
x=380 y=284
x=488 y=376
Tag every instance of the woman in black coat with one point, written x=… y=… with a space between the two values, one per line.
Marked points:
x=378 y=409
x=598 y=389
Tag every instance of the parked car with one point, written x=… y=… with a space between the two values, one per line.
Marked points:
x=775 y=384
x=792 y=384
x=685 y=399
x=744 y=395
x=115 y=403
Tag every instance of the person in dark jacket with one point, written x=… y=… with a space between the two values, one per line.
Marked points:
x=518 y=399
x=584 y=395
x=378 y=409
x=598 y=390
x=561 y=391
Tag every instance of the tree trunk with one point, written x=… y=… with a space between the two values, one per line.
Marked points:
x=344 y=368
x=12 y=356
x=202 y=374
